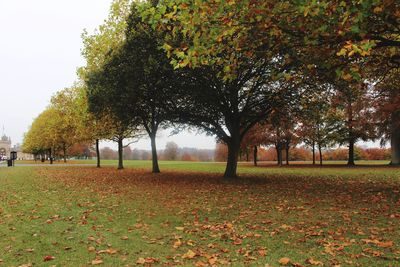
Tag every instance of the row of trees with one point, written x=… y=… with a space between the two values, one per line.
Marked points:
x=303 y=153
x=246 y=72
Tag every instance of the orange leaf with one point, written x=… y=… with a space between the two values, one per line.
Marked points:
x=284 y=261
x=177 y=244
x=48 y=258
x=97 y=262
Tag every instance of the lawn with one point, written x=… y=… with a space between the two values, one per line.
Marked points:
x=189 y=216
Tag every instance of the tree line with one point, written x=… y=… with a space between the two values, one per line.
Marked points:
x=248 y=72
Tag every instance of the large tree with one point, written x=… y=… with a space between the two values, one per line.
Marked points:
x=137 y=81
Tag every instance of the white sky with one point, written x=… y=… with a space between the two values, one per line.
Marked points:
x=40 y=44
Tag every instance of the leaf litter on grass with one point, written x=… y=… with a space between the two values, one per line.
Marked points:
x=178 y=218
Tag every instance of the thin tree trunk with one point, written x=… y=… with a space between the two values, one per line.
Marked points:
x=247 y=154
x=350 y=161
x=154 y=157
x=233 y=153
x=287 y=152
x=50 y=156
x=320 y=154
x=120 y=154
x=395 y=138
x=279 y=153
x=313 y=152
x=255 y=155
x=98 y=152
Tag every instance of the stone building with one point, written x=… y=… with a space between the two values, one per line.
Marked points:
x=5 y=147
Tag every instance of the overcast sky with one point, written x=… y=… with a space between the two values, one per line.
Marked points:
x=40 y=50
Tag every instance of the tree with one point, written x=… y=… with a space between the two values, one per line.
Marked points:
x=57 y=128
x=65 y=111
x=319 y=121
x=96 y=50
x=171 y=151
x=255 y=137
x=137 y=81
x=354 y=104
x=387 y=110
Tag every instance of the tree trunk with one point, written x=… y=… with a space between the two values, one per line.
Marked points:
x=395 y=138
x=255 y=155
x=350 y=161
x=65 y=152
x=98 y=152
x=320 y=154
x=279 y=153
x=233 y=153
x=120 y=154
x=287 y=152
x=247 y=154
x=313 y=152
x=154 y=157
x=50 y=156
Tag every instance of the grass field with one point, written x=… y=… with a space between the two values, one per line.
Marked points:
x=189 y=216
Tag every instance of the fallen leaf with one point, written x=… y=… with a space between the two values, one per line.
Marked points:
x=97 y=262
x=141 y=261
x=111 y=251
x=314 y=262
x=387 y=244
x=177 y=244
x=284 y=261
x=238 y=241
x=212 y=261
x=262 y=252
x=48 y=258
x=189 y=255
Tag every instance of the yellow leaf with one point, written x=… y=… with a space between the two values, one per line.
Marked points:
x=378 y=9
x=347 y=77
x=180 y=228
x=189 y=255
x=342 y=52
x=141 y=261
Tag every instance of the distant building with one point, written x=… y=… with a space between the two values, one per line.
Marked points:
x=21 y=155
x=5 y=147
x=5 y=150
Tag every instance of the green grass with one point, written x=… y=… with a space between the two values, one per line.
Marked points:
x=336 y=215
